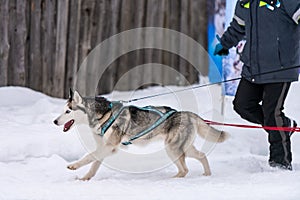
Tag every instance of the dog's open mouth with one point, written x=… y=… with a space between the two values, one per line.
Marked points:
x=68 y=125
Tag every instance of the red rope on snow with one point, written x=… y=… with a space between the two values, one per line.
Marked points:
x=273 y=128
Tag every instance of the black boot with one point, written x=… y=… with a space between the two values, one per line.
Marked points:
x=286 y=166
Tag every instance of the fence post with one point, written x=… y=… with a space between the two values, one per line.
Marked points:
x=48 y=45
x=4 y=43
x=35 y=56
x=72 y=62
x=61 y=47
x=17 y=59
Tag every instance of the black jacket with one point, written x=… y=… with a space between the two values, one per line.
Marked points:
x=272 y=35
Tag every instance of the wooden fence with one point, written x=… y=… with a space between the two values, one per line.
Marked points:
x=43 y=42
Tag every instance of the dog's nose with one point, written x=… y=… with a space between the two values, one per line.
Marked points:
x=55 y=122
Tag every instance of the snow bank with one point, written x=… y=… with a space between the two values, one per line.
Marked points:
x=34 y=154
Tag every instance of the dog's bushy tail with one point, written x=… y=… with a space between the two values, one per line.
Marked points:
x=208 y=132
x=214 y=135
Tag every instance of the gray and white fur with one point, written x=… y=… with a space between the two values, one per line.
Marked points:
x=178 y=131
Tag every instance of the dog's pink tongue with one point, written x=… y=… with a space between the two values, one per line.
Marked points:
x=68 y=125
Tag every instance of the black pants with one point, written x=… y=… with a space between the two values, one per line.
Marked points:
x=263 y=104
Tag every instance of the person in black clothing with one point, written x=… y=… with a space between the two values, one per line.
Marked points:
x=272 y=34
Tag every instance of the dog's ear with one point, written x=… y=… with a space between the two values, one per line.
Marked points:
x=71 y=94
x=77 y=98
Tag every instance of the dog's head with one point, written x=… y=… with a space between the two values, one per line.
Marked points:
x=74 y=111
x=81 y=110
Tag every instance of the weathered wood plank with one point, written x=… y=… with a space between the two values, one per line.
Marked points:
x=72 y=45
x=11 y=27
x=4 y=42
x=184 y=49
x=104 y=30
x=98 y=32
x=35 y=47
x=198 y=32
x=87 y=10
x=158 y=21
x=48 y=44
x=18 y=41
x=137 y=58
x=125 y=63
x=112 y=24
x=189 y=73
x=172 y=22
x=155 y=18
x=60 y=49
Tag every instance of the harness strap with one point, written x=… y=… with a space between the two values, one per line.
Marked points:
x=152 y=109
x=153 y=126
x=112 y=119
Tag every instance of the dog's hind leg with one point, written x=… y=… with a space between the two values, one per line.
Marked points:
x=194 y=153
x=179 y=161
x=95 y=166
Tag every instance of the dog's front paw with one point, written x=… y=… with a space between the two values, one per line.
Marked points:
x=73 y=166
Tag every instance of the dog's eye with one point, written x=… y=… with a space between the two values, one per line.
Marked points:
x=68 y=111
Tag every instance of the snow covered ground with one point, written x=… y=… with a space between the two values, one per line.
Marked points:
x=34 y=154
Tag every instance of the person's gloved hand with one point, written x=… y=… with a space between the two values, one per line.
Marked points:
x=219 y=49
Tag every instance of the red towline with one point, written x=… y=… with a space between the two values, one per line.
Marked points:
x=273 y=128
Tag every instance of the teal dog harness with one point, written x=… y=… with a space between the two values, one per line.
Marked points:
x=152 y=109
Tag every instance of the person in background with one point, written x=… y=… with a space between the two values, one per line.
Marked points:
x=272 y=34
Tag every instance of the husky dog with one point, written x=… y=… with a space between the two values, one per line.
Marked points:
x=178 y=131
